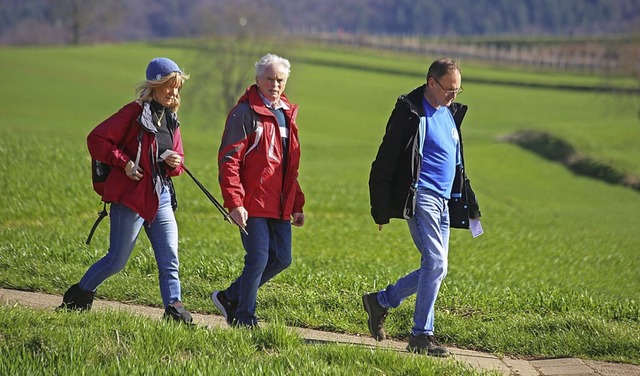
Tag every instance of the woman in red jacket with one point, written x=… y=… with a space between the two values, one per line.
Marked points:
x=142 y=145
x=258 y=172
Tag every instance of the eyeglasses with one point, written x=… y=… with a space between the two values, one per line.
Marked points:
x=448 y=92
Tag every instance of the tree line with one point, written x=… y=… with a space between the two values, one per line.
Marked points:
x=91 y=21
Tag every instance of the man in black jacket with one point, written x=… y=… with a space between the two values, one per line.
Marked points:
x=412 y=178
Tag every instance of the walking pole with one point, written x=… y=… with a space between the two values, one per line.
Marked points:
x=215 y=202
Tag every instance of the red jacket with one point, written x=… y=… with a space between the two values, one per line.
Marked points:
x=115 y=142
x=250 y=160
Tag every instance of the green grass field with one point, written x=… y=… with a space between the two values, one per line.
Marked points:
x=555 y=274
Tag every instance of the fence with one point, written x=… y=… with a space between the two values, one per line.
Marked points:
x=621 y=57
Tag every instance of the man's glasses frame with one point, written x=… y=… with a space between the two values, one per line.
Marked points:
x=448 y=92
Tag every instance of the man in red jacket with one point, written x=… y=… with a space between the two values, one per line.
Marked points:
x=258 y=165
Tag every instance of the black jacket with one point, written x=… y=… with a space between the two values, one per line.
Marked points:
x=395 y=171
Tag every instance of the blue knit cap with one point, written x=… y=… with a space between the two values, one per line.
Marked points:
x=160 y=67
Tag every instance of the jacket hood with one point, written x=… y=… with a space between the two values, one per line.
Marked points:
x=414 y=100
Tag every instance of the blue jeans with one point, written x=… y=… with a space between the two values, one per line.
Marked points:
x=125 y=227
x=268 y=252
x=429 y=228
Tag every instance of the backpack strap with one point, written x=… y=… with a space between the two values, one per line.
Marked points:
x=101 y=216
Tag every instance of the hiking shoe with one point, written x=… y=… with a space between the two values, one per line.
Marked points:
x=176 y=312
x=76 y=299
x=377 y=315
x=426 y=344
x=226 y=306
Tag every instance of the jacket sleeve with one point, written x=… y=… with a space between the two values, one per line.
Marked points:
x=299 y=200
x=233 y=147
x=105 y=139
x=384 y=166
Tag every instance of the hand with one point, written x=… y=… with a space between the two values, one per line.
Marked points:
x=240 y=215
x=132 y=172
x=380 y=227
x=297 y=219
x=173 y=160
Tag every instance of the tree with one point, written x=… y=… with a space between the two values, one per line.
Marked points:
x=222 y=62
x=86 y=20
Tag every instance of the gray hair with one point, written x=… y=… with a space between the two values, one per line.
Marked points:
x=271 y=60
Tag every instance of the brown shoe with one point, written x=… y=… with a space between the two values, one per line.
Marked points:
x=377 y=315
x=426 y=344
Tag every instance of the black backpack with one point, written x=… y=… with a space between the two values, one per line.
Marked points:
x=465 y=205
x=99 y=173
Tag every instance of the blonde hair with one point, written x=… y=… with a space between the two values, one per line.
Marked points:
x=144 y=90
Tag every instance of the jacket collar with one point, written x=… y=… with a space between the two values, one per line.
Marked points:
x=146 y=118
x=414 y=100
x=274 y=105
x=252 y=95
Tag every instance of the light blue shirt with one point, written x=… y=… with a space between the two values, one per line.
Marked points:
x=440 y=152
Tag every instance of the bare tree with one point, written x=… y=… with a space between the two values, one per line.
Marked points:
x=223 y=60
x=87 y=20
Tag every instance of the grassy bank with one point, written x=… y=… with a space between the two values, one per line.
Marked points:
x=555 y=273
x=117 y=343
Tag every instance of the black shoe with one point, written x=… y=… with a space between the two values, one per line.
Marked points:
x=176 y=312
x=426 y=344
x=226 y=306
x=75 y=299
x=377 y=315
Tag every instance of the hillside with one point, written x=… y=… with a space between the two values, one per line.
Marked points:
x=557 y=263
x=90 y=21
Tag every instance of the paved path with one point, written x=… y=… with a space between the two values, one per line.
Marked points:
x=474 y=359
